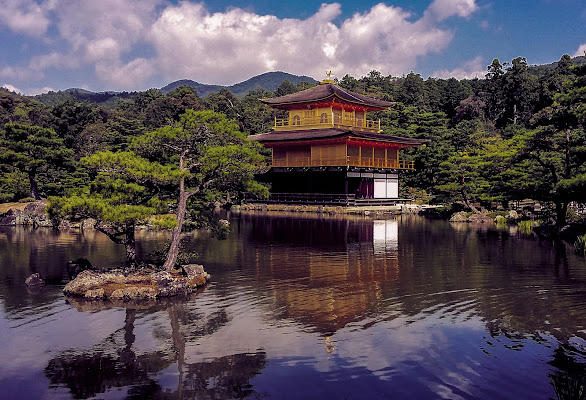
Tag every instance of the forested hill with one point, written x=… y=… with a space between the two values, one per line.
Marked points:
x=540 y=70
x=519 y=132
x=269 y=81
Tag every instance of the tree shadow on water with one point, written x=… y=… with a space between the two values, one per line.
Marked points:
x=109 y=365
x=569 y=379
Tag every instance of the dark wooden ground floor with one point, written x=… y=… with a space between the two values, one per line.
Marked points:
x=332 y=186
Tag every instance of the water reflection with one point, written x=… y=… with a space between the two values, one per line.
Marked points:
x=385 y=236
x=341 y=267
x=569 y=380
x=113 y=363
x=352 y=307
x=25 y=250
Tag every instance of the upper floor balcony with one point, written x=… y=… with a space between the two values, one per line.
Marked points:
x=327 y=121
x=348 y=161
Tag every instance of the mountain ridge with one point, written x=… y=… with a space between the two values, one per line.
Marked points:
x=269 y=81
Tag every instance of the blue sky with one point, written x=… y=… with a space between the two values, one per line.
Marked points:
x=138 y=44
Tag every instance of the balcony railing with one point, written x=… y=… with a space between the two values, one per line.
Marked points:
x=316 y=122
x=341 y=161
x=348 y=200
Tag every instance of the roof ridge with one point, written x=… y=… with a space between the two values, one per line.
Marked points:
x=350 y=93
x=325 y=91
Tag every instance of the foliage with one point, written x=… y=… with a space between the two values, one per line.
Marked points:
x=214 y=159
x=14 y=185
x=526 y=226
x=285 y=88
x=32 y=150
x=127 y=190
x=580 y=245
x=420 y=196
x=516 y=133
x=552 y=156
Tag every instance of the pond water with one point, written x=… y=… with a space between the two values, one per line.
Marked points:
x=303 y=306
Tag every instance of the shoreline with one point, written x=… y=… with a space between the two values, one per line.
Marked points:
x=34 y=214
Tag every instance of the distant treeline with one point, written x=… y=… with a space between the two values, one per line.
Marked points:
x=516 y=133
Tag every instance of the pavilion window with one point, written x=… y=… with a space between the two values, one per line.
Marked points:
x=296 y=120
x=323 y=119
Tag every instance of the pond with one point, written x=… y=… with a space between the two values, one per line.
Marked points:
x=305 y=306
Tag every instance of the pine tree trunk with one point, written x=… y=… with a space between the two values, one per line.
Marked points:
x=178 y=346
x=561 y=209
x=34 y=187
x=467 y=202
x=130 y=246
x=176 y=234
x=127 y=356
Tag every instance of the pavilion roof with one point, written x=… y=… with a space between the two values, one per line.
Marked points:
x=316 y=134
x=326 y=91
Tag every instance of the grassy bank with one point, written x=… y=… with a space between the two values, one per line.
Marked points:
x=4 y=207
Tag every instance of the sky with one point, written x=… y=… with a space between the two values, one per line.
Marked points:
x=139 y=44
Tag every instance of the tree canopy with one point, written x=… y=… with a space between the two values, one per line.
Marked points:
x=214 y=160
x=32 y=150
x=127 y=191
x=517 y=132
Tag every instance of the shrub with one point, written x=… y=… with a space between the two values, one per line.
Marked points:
x=26 y=200
x=419 y=196
x=6 y=197
x=526 y=226
x=500 y=220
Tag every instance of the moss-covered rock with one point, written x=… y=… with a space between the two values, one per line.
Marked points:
x=459 y=217
x=117 y=285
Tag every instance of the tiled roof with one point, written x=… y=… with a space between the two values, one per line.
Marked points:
x=310 y=134
x=325 y=91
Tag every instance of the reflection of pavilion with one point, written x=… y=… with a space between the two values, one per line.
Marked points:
x=342 y=266
x=385 y=236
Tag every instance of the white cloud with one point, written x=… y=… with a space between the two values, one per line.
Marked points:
x=127 y=42
x=103 y=32
x=227 y=47
x=474 y=68
x=440 y=10
x=191 y=42
x=52 y=60
x=102 y=49
x=19 y=74
x=10 y=87
x=83 y=22
x=125 y=76
x=35 y=91
x=25 y=16
x=384 y=39
x=37 y=65
x=581 y=50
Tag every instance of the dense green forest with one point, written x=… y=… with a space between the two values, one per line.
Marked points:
x=517 y=133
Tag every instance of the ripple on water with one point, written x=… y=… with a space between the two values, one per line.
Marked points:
x=427 y=311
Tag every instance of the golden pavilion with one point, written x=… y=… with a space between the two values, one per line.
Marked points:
x=327 y=151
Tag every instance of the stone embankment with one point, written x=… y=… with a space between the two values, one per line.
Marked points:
x=483 y=217
x=117 y=285
x=319 y=209
x=34 y=214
